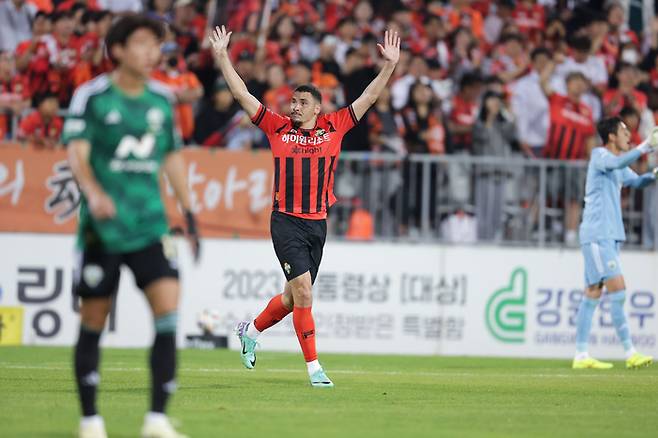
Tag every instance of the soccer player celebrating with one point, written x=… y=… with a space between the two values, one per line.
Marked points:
x=602 y=232
x=305 y=146
x=120 y=134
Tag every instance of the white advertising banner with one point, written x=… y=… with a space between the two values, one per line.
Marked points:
x=368 y=298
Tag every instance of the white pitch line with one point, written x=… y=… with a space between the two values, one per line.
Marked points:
x=576 y=374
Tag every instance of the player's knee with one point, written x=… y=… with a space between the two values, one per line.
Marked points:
x=593 y=292
x=302 y=294
x=166 y=323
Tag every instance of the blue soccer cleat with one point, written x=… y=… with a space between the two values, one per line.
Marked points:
x=320 y=380
x=248 y=345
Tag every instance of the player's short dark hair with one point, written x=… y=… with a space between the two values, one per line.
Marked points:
x=60 y=15
x=43 y=14
x=511 y=36
x=470 y=79
x=581 y=44
x=539 y=51
x=40 y=97
x=310 y=88
x=126 y=26
x=575 y=75
x=628 y=111
x=623 y=65
x=608 y=126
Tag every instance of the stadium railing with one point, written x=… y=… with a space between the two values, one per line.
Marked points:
x=511 y=200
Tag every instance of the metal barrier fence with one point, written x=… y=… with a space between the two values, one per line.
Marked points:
x=463 y=198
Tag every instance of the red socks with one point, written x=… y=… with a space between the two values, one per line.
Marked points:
x=302 y=319
x=273 y=313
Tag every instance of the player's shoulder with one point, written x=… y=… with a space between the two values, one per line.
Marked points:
x=161 y=89
x=598 y=153
x=86 y=91
x=342 y=113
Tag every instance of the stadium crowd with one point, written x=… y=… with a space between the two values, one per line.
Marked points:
x=488 y=78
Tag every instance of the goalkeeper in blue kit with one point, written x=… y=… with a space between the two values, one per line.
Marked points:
x=601 y=235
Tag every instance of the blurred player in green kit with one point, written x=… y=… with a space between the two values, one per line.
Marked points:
x=121 y=136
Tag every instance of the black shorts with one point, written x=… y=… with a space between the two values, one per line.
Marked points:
x=298 y=243
x=98 y=271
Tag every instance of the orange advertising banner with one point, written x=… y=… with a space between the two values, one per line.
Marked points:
x=230 y=192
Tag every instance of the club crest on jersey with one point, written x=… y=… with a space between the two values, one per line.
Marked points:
x=155 y=119
x=92 y=275
x=113 y=117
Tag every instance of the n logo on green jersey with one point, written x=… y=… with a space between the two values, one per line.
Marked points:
x=138 y=148
x=505 y=311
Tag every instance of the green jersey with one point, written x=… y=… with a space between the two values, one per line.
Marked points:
x=130 y=138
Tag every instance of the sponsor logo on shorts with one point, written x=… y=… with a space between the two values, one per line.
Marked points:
x=92 y=275
x=287 y=268
x=612 y=265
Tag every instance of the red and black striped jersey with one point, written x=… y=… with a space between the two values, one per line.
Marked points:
x=304 y=160
x=571 y=125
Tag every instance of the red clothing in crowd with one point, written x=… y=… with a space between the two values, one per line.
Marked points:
x=14 y=90
x=570 y=127
x=614 y=100
x=464 y=113
x=34 y=127
x=39 y=65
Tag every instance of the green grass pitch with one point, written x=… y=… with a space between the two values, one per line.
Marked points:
x=375 y=396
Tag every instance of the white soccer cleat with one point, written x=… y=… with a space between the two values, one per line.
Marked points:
x=92 y=428
x=159 y=427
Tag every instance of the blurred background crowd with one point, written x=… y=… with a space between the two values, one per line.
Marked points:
x=508 y=79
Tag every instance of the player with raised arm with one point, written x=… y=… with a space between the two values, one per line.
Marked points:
x=305 y=146
x=121 y=136
x=602 y=233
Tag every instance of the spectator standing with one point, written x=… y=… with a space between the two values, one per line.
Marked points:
x=465 y=108
x=571 y=137
x=277 y=97
x=424 y=134
x=63 y=56
x=493 y=136
x=184 y=85
x=15 y=23
x=121 y=7
x=217 y=117
x=591 y=66
x=32 y=56
x=42 y=128
x=530 y=106
x=160 y=10
x=14 y=93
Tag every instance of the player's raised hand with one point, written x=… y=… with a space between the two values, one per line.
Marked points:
x=219 y=40
x=391 y=48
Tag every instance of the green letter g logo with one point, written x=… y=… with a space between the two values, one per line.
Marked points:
x=505 y=312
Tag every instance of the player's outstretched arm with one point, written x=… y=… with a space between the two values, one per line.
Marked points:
x=632 y=179
x=391 y=53
x=100 y=204
x=174 y=168
x=219 y=40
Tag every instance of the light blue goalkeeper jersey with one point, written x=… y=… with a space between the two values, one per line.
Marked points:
x=606 y=175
